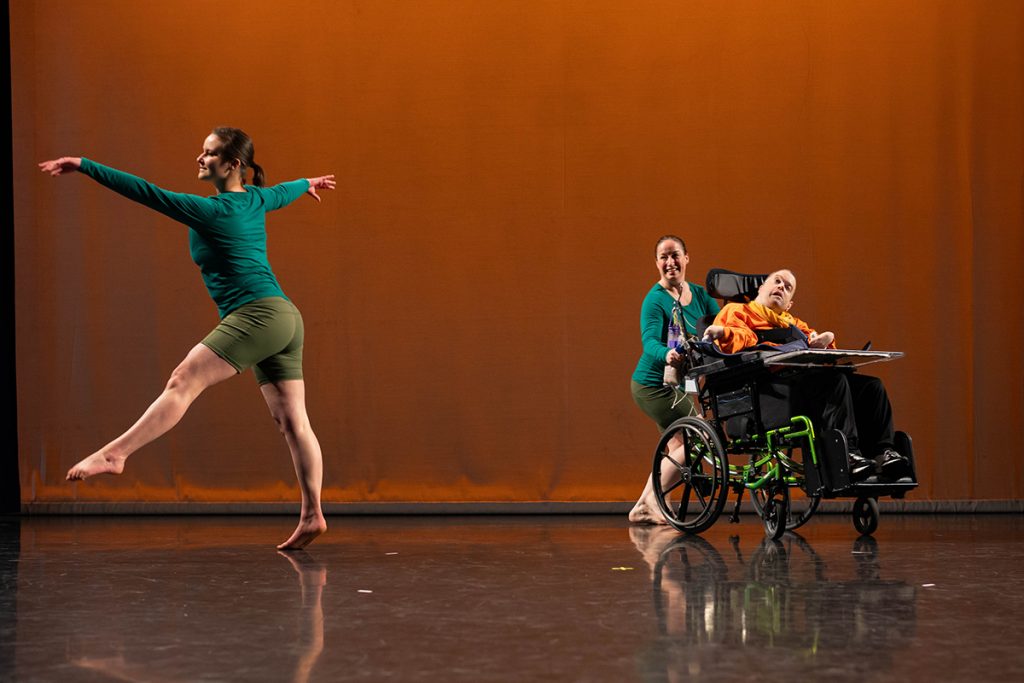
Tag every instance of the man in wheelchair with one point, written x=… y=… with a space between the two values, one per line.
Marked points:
x=855 y=404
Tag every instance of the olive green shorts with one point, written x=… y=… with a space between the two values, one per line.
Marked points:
x=664 y=405
x=266 y=335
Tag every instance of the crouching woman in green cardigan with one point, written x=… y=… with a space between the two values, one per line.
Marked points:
x=669 y=312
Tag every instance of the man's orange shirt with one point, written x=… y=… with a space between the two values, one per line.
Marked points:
x=741 y=321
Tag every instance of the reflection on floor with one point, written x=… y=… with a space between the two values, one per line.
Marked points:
x=528 y=598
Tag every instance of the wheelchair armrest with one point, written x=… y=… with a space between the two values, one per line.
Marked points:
x=704 y=359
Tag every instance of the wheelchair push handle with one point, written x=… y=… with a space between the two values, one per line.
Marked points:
x=676 y=338
x=670 y=375
x=676 y=375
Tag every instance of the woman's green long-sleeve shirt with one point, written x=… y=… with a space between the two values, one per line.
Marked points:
x=227 y=232
x=655 y=316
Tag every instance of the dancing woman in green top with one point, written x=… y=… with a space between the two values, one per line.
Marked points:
x=260 y=328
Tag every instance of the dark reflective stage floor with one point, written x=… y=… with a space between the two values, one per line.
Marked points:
x=561 y=598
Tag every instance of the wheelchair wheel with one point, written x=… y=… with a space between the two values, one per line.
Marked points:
x=690 y=481
x=865 y=515
x=799 y=510
x=775 y=508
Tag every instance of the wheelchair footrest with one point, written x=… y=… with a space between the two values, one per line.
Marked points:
x=833 y=465
x=876 y=487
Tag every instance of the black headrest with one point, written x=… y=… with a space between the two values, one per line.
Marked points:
x=732 y=286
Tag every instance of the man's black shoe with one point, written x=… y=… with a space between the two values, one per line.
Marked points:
x=860 y=466
x=891 y=462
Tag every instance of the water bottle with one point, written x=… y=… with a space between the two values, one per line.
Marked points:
x=670 y=376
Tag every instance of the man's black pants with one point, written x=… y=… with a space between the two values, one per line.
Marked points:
x=857 y=405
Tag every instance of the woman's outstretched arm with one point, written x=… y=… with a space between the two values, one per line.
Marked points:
x=190 y=209
x=283 y=194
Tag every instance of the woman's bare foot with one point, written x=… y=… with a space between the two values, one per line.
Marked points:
x=97 y=463
x=644 y=513
x=307 y=530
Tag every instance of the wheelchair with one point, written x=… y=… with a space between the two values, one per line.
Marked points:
x=735 y=445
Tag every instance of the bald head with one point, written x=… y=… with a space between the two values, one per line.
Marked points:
x=777 y=291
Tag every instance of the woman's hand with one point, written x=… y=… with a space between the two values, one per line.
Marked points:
x=324 y=182
x=673 y=357
x=820 y=341
x=56 y=167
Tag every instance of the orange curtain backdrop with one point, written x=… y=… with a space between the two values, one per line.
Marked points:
x=471 y=291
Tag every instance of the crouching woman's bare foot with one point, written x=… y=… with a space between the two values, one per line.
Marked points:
x=97 y=463
x=310 y=526
x=646 y=512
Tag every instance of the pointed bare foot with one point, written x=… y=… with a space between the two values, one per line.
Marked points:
x=643 y=513
x=305 y=532
x=97 y=463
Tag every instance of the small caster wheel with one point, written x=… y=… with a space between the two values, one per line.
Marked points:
x=865 y=515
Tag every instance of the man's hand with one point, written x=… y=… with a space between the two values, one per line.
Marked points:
x=324 y=182
x=714 y=332
x=820 y=341
x=56 y=167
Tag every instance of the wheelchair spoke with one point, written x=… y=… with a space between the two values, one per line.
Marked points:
x=679 y=465
x=700 y=497
x=669 y=489
x=684 y=502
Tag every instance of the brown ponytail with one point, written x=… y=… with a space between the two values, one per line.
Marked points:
x=257 y=174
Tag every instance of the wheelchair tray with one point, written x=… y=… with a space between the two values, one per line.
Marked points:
x=749 y=361
x=810 y=358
